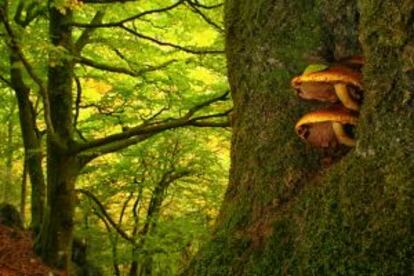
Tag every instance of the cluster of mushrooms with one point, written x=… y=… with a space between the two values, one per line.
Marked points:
x=340 y=85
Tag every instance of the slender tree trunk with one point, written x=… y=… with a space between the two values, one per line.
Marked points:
x=32 y=143
x=8 y=181
x=23 y=191
x=133 y=269
x=146 y=269
x=151 y=221
x=284 y=214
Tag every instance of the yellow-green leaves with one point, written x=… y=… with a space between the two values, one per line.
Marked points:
x=63 y=5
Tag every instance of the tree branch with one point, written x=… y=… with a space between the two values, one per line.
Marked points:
x=121 y=232
x=197 y=4
x=6 y=81
x=114 y=147
x=107 y=1
x=208 y=20
x=84 y=37
x=151 y=129
x=104 y=67
x=77 y=101
x=32 y=12
x=122 y=70
x=14 y=47
x=168 y=44
x=197 y=107
x=132 y=18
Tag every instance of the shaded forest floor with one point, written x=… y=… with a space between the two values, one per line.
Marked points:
x=17 y=256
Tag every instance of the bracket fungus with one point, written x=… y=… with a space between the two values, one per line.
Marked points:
x=337 y=83
x=326 y=128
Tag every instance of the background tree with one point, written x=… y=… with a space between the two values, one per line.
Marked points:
x=10 y=148
x=158 y=202
x=284 y=213
x=59 y=49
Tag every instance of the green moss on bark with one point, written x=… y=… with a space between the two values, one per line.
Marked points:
x=283 y=214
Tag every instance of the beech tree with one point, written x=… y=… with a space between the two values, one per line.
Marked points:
x=47 y=43
x=284 y=212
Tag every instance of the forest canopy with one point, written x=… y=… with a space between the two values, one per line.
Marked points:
x=115 y=129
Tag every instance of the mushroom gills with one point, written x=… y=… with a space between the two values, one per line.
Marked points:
x=344 y=133
x=319 y=135
x=317 y=91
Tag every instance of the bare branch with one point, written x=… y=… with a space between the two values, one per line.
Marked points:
x=132 y=18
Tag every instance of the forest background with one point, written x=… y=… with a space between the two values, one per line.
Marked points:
x=133 y=73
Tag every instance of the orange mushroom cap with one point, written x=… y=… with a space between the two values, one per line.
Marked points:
x=333 y=75
x=331 y=114
x=324 y=128
x=331 y=85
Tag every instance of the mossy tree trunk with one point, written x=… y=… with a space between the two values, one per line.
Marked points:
x=284 y=214
x=62 y=166
x=31 y=141
x=9 y=152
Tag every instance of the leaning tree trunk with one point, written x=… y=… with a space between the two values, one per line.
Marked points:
x=283 y=213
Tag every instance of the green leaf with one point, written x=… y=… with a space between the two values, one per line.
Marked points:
x=317 y=67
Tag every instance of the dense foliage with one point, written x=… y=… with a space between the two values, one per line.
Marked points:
x=141 y=70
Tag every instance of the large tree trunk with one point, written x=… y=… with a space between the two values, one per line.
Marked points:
x=62 y=167
x=284 y=214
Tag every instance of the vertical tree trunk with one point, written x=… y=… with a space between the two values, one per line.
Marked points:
x=32 y=143
x=23 y=191
x=8 y=181
x=283 y=213
x=62 y=167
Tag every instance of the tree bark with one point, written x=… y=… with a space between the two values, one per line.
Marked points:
x=62 y=167
x=23 y=191
x=283 y=213
x=8 y=181
x=31 y=142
